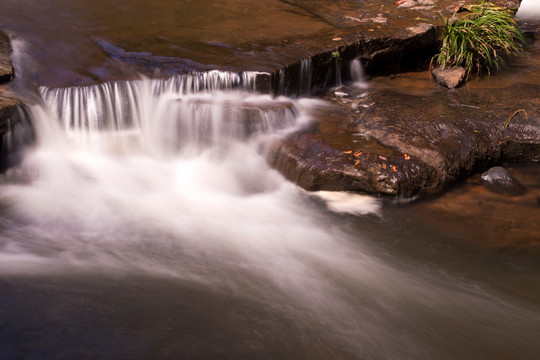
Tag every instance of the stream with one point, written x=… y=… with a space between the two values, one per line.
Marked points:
x=146 y=223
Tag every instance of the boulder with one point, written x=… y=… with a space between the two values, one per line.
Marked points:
x=498 y=180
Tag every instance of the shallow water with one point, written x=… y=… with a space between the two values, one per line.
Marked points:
x=84 y=42
x=146 y=224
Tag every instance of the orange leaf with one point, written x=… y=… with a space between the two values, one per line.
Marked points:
x=384 y=166
x=394 y=168
x=358 y=153
x=357 y=162
x=347 y=152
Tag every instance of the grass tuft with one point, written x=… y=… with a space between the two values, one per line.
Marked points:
x=479 y=39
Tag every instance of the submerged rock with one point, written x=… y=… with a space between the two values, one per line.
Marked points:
x=498 y=180
x=450 y=78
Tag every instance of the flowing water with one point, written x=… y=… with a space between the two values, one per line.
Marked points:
x=146 y=224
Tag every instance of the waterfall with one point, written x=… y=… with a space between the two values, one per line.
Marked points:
x=194 y=111
x=339 y=82
x=295 y=80
x=306 y=75
x=358 y=75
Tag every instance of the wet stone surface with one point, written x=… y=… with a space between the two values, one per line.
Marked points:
x=427 y=137
x=6 y=67
x=498 y=180
x=92 y=42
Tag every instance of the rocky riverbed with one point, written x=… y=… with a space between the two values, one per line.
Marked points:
x=396 y=138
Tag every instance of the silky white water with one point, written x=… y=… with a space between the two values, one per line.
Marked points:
x=169 y=182
x=358 y=75
x=529 y=10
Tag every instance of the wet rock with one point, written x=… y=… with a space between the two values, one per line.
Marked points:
x=15 y=131
x=6 y=67
x=394 y=143
x=498 y=180
x=450 y=78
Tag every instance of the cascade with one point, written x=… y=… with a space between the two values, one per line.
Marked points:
x=358 y=75
x=339 y=83
x=192 y=111
x=306 y=75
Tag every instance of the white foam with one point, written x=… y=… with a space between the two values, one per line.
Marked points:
x=529 y=10
x=350 y=203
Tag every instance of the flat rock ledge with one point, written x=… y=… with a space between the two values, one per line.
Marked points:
x=411 y=146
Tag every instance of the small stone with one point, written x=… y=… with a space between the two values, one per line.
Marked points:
x=451 y=78
x=498 y=180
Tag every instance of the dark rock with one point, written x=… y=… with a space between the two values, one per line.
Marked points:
x=15 y=131
x=510 y=4
x=498 y=180
x=410 y=145
x=6 y=67
x=451 y=78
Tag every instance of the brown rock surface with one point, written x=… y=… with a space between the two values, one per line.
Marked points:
x=6 y=67
x=412 y=143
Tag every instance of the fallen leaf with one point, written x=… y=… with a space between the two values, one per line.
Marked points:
x=358 y=153
x=384 y=166
x=336 y=39
x=407 y=157
x=399 y=2
x=347 y=152
x=356 y=162
x=394 y=168
x=371 y=29
x=382 y=158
